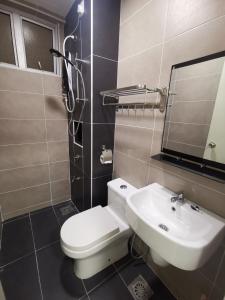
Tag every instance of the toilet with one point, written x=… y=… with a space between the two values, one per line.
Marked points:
x=99 y=236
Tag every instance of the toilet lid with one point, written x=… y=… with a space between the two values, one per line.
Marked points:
x=88 y=228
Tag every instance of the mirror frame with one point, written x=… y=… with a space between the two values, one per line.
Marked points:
x=198 y=163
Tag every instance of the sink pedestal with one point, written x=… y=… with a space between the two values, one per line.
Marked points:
x=157 y=259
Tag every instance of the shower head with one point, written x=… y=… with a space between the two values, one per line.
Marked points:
x=58 y=54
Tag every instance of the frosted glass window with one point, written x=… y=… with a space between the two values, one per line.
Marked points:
x=7 y=54
x=38 y=40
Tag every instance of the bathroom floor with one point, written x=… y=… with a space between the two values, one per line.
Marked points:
x=32 y=265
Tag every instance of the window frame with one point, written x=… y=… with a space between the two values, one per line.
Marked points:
x=10 y=14
x=16 y=18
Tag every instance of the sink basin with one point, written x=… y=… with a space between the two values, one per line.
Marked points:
x=184 y=235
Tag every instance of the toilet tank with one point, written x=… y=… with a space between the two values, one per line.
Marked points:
x=118 y=190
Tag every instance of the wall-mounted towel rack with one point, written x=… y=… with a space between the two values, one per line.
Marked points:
x=140 y=89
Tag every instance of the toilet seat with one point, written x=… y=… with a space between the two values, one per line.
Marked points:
x=90 y=231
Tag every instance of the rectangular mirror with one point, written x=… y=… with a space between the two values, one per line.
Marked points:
x=195 y=118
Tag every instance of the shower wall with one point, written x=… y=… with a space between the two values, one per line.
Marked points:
x=88 y=176
x=34 y=161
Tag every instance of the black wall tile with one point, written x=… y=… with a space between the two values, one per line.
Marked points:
x=106 y=16
x=103 y=134
x=104 y=78
x=77 y=187
x=100 y=190
x=86 y=29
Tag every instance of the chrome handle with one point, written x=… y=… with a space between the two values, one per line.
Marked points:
x=76 y=178
x=212 y=145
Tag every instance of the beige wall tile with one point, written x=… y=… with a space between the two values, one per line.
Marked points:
x=57 y=130
x=156 y=142
x=144 y=30
x=12 y=79
x=26 y=210
x=130 y=169
x=14 y=201
x=133 y=141
x=59 y=170
x=52 y=85
x=143 y=68
x=187 y=14
x=139 y=118
x=23 y=177
x=55 y=108
x=191 y=177
x=210 y=199
x=21 y=131
x=21 y=106
x=58 y=151
x=201 y=41
x=130 y=7
x=187 y=285
x=15 y=156
x=60 y=191
x=209 y=270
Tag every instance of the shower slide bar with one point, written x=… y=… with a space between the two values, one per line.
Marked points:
x=140 y=89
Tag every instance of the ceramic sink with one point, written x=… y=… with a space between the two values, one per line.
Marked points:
x=184 y=235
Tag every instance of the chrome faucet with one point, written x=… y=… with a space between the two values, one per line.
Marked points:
x=179 y=198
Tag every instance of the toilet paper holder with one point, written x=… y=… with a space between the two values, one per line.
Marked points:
x=106 y=156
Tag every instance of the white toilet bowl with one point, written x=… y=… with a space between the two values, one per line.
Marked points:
x=98 y=237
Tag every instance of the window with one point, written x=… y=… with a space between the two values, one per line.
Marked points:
x=6 y=49
x=38 y=40
x=26 y=42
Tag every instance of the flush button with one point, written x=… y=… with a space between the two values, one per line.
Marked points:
x=123 y=187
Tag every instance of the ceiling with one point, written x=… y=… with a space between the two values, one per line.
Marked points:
x=56 y=7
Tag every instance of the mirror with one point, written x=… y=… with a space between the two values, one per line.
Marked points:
x=195 y=117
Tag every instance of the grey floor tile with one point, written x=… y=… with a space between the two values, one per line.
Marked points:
x=64 y=211
x=16 y=240
x=45 y=227
x=111 y=289
x=20 y=280
x=95 y=280
x=57 y=277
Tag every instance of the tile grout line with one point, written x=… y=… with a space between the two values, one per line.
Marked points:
x=121 y=277
x=33 y=165
x=136 y=12
x=101 y=282
x=16 y=260
x=37 y=185
x=38 y=272
x=48 y=156
x=34 y=143
x=86 y=292
x=159 y=81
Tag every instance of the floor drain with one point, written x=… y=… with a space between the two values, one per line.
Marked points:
x=66 y=210
x=140 y=289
